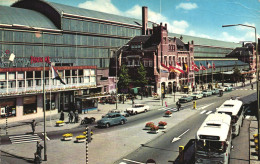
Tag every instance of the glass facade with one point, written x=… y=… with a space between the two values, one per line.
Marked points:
x=81 y=43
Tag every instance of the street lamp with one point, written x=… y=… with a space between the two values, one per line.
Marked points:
x=257 y=78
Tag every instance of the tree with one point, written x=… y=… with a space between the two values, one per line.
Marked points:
x=236 y=76
x=124 y=79
x=141 y=79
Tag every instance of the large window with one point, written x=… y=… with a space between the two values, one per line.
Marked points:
x=29 y=105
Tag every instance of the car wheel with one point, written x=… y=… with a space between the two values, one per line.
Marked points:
x=107 y=125
x=145 y=110
x=122 y=122
x=136 y=112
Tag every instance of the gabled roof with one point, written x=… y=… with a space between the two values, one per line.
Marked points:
x=149 y=42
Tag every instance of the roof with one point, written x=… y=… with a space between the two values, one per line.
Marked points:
x=95 y=14
x=232 y=106
x=205 y=41
x=240 y=51
x=207 y=129
x=18 y=16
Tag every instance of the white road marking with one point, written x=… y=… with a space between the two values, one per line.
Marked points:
x=247 y=117
x=133 y=161
x=208 y=112
x=206 y=106
x=179 y=137
x=46 y=136
x=203 y=111
x=24 y=138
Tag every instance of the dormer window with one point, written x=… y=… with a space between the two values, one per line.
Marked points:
x=136 y=46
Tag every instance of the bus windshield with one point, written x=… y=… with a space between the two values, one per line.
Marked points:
x=211 y=146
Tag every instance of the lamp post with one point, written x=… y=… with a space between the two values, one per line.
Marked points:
x=257 y=79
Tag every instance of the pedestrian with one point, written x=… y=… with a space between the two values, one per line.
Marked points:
x=33 y=125
x=70 y=116
x=252 y=86
x=61 y=116
x=178 y=105
x=76 y=120
x=39 y=148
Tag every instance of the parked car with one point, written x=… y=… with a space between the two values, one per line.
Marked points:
x=196 y=95
x=215 y=91
x=186 y=98
x=138 y=108
x=206 y=93
x=111 y=119
x=123 y=113
x=228 y=87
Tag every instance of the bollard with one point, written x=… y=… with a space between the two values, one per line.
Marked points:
x=6 y=126
x=181 y=154
x=194 y=105
x=87 y=144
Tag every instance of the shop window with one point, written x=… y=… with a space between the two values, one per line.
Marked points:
x=50 y=101
x=145 y=63
x=8 y=108
x=29 y=105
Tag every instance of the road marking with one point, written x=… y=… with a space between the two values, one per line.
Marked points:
x=46 y=136
x=206 y=106
x=208 y=112
x=133 y=161
x=179 y=137
x=203 y=111
x=24 y=138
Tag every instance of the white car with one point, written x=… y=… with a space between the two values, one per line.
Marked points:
x=197 y=95
x=138 y=108
x=123 y=113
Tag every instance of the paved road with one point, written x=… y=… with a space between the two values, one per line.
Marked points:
x=110 y=145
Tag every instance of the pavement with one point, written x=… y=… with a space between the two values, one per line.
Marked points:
x=26 y=151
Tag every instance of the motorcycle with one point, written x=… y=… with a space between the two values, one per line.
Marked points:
x=88 y=120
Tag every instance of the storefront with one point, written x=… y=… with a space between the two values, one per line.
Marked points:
x=8 y=108
x=29 y=105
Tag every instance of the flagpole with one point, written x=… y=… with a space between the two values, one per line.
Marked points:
x=44 y=103
x=212 y=72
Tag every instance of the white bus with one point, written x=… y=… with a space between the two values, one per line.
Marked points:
x=213 y=140
x=235 y=109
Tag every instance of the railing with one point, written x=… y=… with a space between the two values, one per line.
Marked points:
x=38 y=89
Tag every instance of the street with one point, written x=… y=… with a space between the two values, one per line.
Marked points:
x=129 y=143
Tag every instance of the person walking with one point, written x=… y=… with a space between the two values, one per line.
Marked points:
x=70 y=116
x=76 y=120
x=178 y=105
x=252 y=86
x=39 y=148
x=33 y=125
x=61 y=116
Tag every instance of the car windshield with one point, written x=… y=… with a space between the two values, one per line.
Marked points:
x=195 y=93
x=107 y=116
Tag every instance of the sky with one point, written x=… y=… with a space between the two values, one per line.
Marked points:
x=202 y=18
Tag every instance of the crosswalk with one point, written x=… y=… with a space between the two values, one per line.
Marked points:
x=207 y=112
x=24 y=138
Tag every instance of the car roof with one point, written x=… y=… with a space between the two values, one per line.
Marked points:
x=111 y=114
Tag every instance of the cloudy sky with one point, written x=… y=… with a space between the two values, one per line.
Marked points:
x=203 y=18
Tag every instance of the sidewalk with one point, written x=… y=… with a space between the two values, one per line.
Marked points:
x=253 y=129
x=23 y=127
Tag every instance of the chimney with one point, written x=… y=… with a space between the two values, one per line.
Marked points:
x=144 y=20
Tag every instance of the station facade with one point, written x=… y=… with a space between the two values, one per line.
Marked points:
x=79 y=43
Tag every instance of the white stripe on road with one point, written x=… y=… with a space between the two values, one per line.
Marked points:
x=17 y=142
x=133 y=161
x=184 y=133
x=46 y=136
x=208 y=112
x=203 y=112
x=26 y=135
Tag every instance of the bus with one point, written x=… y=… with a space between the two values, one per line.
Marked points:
x=235 y=109
x=213 y=140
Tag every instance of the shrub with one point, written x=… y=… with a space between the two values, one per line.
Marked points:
x=162 y=123
x=154 y=127
x=149 y=124
x=168 y=112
